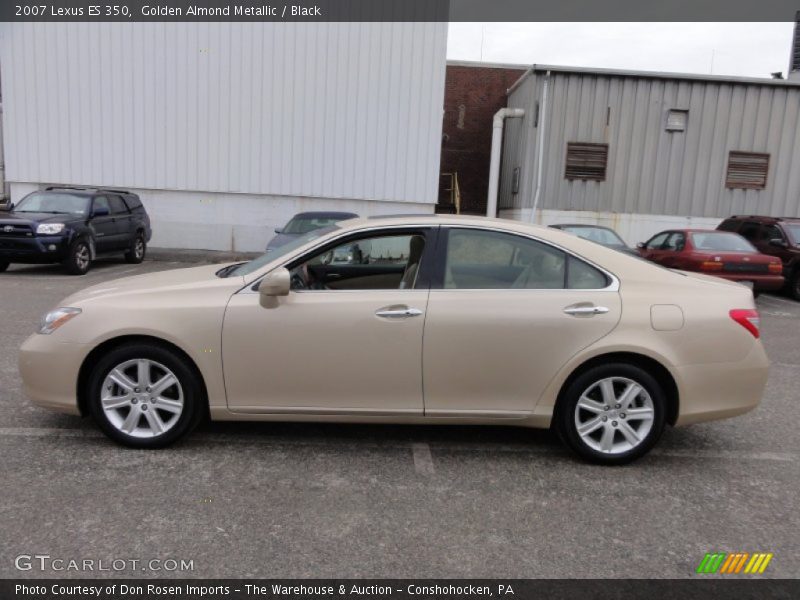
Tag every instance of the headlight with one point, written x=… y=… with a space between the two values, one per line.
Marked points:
x=50 y=228
x=56 y=318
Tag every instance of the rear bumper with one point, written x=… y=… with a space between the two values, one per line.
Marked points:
x=760 y=282
x=33 y=250
x=720 y=390
x=49 y=371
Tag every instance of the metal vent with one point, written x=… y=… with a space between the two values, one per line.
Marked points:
x=586 y=161
x=747 y=170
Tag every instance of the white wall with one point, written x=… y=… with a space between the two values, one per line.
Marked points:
x=633 y=228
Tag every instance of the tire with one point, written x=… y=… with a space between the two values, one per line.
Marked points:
x=162 y=416
x=618 y=427
x=79 y=258
x=794 y=284
x=135 y=255
x=3 y=266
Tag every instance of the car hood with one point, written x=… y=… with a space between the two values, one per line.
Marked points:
x=174 y=280
x=281 y=239
x=13 y=218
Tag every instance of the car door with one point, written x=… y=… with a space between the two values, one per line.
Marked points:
x=653 y=248
x=103 y=225
x=346 y=340
x=504 y=316
x=669 y=255
x=121 y=217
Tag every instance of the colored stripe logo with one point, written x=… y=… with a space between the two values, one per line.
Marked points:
x=734 y=563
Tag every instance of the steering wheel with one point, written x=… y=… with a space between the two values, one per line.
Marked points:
x=300 y=278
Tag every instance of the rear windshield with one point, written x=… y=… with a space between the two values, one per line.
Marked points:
x=41 y=202
x=300 y=225
x=600 y=235
x=721 y=242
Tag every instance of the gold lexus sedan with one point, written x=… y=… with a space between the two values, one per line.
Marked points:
x=428 y=320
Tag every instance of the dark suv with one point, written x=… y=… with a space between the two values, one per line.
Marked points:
x=73 y=226
x=775 y=236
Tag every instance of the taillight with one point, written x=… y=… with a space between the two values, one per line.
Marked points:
x=710 y=265
x=776 y=267
x=747 y=318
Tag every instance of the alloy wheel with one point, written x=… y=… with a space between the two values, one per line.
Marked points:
x=138 y=248
x=82 y=257
x=614 y=415
x=142 y=398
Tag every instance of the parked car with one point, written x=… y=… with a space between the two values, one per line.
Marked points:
x=305 y=222
x=718 y=253
x=73 y=226
x=444 y=320
x=774 y=236
x=601 y=235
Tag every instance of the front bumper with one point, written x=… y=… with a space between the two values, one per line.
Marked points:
x=49 y=372
x=713 y=391
x=33 y=250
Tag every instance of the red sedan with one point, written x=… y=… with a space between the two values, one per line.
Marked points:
x=724 y=254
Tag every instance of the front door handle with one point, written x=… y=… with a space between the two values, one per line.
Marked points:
x=585 y=311
x=397 y=312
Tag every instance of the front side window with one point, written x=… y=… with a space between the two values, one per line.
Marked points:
x=771 y=232
x=675 y=242
x=101 y=202
x=386 y=262
x=494 y=260
x=657 y=242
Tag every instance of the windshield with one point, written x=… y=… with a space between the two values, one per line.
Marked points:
x=257 y=263
x=794 y=231
x=39 y=202
x=718 y=241
x=299 y=225
x=597 y=234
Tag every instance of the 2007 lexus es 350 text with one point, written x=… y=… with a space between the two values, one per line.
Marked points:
x=408 y=320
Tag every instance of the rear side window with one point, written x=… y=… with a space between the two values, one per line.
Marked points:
x=729 y=225
x=118 y=207
x=494 y=260
x=750 y=230
x=132 y=202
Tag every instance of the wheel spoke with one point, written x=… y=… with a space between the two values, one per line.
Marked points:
x=143 y=372
x=630 y=435
x=131 y=421
x=590 y=426
x=162 y=384
x=607 y=441
x=639 y=414
x=154 y=421
x=587 y=403
x=607 y=389
x=630 y=393
x=122 y=380
x=113 y=402
x=169 y=405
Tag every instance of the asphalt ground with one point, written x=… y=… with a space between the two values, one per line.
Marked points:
x=307 y=500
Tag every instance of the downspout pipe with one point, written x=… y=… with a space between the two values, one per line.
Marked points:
x=497 y=146
x=540 y=149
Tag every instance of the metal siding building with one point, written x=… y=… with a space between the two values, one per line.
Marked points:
x=226 y=130
x=654 y=178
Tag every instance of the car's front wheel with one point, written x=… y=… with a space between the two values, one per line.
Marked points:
x=612 y=414
x=144 y=395
x=79 y=258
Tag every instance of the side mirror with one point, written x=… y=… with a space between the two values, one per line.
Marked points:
x=278 y=230
x=101 y=211
x=778 y=242
x=275 y=284
x=9 y=207
x=640 y=245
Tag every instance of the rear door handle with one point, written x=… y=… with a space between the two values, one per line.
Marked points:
x=578 y=311
x=397 y=312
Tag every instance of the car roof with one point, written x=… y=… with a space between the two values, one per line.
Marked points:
x=81 y=191
x=762 y=218
x=582 y=225
x=325 y=214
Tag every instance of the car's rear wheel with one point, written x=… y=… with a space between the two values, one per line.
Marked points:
x=794 y=284
x=79 y=258
x=144 y=395
x=135 y=254
x=612 y=414
x=3 y=266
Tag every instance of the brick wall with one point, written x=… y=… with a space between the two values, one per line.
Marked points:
x=472 y=95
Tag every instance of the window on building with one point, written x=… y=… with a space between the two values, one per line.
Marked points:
x=586 y=161
x=676 y=119
x=747 y=170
